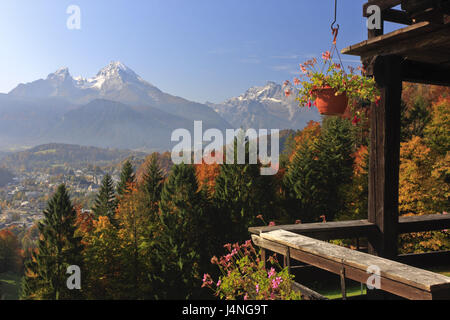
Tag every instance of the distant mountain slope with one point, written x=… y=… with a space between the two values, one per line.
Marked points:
x=266 y=107
x=48 y=155
x=109 y=124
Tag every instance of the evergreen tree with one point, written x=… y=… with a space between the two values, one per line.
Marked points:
x=180 y=234
x=127 y=176
x=105 y=203
x=241 y=194
x=58 y=248
x=320 y=172
x=152 y=184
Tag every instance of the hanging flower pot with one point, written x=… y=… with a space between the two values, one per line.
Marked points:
x=329 y=103
x=331 y=88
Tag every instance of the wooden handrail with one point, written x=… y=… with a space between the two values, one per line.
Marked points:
x=428 y=222
x=359 y=228
x=394 y=277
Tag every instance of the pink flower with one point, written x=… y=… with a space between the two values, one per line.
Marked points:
x=228 y=246
x=326 y=55
x=272 y=224
x=287 y=93
x=246 y=297
x=296 y=81
x=219 y=283
x=271 y=273
x=276 y=282
x=257 y=288
x=303 y=68
x=206 y=280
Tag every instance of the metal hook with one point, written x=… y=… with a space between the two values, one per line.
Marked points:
x=335 y=16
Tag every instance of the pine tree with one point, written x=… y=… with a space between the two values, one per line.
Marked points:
x=177 y=248
x=105 y=203
x=127 y=176
x=320 y=171
x=241 y=194
x=152 y=184
x=58 y=248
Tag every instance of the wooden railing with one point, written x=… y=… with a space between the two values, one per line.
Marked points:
x=360 y=228
x=302 y=242
x=393 y=277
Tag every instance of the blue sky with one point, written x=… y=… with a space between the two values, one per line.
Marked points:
x=198 y=49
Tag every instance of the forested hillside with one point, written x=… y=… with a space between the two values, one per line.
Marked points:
x=49 y=155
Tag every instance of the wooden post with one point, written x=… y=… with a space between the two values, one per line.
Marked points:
x=287 y=259
x=343 y=287
x=263 y=256
x=385 y=158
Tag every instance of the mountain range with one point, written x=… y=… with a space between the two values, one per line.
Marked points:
x=266 y=107
x=118 y=109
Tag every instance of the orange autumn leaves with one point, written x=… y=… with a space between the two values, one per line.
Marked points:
x=10 y=253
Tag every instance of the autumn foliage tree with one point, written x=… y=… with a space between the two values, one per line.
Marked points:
x=10 y=257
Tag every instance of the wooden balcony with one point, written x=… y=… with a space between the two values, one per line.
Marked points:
x=419 y=52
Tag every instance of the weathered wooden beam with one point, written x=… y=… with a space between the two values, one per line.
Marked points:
x=307 y=293
x=426 y=260
x=429 y=222
x=396 y=278
x=359 y=228
x=419 y=36
x=383 y=4
x=385 y=158
x=427 y=10
x=325 y=231
x=426 y=73
x=397 y=16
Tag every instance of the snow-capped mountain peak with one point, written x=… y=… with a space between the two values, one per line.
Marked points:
x=266 y=107
x=114 y=69
x=272 y=91
x=61 y=74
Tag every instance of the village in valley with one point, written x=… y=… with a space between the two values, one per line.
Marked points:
x=24 y=198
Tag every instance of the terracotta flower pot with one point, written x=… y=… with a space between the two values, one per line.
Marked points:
x=328 y=103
